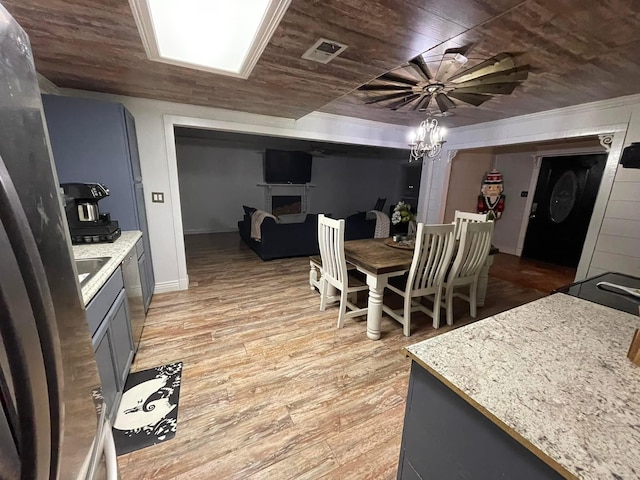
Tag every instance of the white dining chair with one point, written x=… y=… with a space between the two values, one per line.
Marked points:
x=461 y=218
x=334 y=269
x=431 y=259
x=473 y=250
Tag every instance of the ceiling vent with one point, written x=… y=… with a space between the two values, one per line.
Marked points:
x=323 y=51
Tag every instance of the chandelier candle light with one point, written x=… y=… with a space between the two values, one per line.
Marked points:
x=426 y=140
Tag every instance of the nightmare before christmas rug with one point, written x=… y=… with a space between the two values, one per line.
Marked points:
x=148 y=412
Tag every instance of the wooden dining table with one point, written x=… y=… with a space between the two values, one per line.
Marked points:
x=378 y=262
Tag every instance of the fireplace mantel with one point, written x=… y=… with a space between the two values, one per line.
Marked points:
x=276 y=189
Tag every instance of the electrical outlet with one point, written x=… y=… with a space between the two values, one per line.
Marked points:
x=524 y=194
x=157 y=197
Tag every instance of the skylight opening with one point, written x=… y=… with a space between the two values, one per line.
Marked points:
x=220 y=36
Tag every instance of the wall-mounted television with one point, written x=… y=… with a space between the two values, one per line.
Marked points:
x=282 y=166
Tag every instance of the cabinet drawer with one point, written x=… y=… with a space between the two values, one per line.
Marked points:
x=101 y=303
x=140 y=247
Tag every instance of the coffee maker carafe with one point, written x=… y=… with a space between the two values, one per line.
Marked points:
x=86 y=223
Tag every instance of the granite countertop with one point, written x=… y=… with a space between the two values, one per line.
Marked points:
x=116 y=250
x=553 y=374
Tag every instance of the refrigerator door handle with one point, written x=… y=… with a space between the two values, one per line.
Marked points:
x=110 y=455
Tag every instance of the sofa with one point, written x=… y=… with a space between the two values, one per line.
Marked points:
x=284 y=240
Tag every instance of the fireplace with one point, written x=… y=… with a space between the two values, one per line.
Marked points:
x=286 y=204
x=286 y=199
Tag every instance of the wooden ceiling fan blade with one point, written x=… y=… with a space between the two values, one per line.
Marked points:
x=474 y=99
x=461 y=50
x=444 y=102
x=419 y=63
x=391 y=96
x=491 y=89
x=424 y=103
x=415 y=105
x=390 y=77
x=517 y=74
x=402 y=102
x=411 y=105
x=448 y=67
x=384 y=88
x=499 y=63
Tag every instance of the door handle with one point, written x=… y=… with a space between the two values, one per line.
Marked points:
x=532 y=216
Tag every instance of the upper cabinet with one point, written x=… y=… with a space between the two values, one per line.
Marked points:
x=95 y=141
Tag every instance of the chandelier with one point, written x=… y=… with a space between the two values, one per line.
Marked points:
x=427 y=140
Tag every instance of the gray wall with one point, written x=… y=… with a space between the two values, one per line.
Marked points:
x=516 y=169
x=216 y=181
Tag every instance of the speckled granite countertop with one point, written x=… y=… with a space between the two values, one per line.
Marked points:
x=554 y=374
x=116 y=250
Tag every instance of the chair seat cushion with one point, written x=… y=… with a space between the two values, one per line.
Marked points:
x=399 y=282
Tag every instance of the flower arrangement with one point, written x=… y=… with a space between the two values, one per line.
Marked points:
x=402 y=213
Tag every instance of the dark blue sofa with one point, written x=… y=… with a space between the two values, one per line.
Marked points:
x=283 y=240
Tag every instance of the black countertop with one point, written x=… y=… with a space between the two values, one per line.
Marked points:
x=587 y=290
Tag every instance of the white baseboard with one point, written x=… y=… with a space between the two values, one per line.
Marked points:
x=509 y=250
x=172 y=286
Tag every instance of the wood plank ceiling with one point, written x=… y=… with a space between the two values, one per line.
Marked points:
x=580 y=51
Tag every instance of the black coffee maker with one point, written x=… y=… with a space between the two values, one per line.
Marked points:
x=86 y=223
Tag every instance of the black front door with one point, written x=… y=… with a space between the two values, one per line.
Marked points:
x=562 y=206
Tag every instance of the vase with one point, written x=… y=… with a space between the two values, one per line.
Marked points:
x=411 y=228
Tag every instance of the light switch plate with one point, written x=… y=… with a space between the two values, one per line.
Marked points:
x=157 y=197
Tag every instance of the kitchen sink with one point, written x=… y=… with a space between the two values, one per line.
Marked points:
x=88 y=267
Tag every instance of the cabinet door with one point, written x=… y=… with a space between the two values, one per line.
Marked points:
x=106 y=367
x=144 y=281
x=120 y=337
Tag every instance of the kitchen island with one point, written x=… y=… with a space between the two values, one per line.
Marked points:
x=541 y=391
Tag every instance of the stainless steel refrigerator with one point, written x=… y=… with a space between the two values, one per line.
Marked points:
x=50 y=421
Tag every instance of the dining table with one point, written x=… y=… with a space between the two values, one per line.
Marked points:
x=379 y=261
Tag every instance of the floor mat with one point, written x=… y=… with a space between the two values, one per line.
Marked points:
x=148 y=412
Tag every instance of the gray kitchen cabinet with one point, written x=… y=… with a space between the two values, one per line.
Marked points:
x=102 y=350
x=445 y=437
x=112 y=341
x=120 y=332
x=95 y=141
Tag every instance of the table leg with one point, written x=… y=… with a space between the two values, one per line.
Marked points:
x=482 y=281
x=374 y=312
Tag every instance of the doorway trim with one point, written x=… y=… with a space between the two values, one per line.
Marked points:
x=271 y=126
x=617 y=130
x=537 y=161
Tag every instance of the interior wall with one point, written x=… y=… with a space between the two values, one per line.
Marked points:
x=465 y=180
x=216 y=181
x=618 y=245
x=517 y=169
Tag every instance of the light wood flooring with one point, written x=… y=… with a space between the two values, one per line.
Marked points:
x=542 y=276
x=271 y=389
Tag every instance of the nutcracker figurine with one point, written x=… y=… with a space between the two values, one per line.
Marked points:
x=491 y=199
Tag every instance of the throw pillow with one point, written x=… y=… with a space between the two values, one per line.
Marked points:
x=248 y=210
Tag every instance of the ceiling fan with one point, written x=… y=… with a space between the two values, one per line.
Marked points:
x=414 y=85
